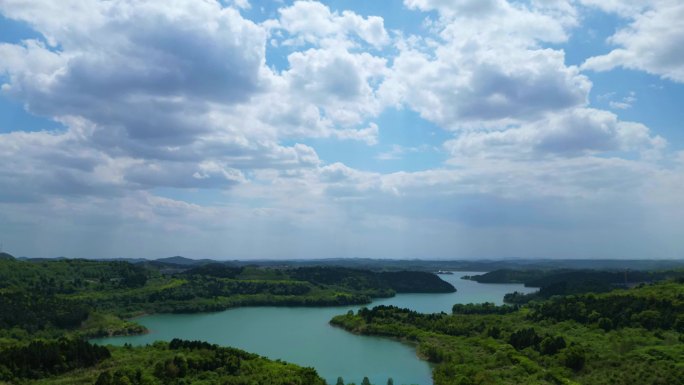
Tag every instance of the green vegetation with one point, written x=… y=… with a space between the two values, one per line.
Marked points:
x=49 y=308
x=93 y=298
x=580 y=328
x=44 y=358
x=379 y=283
x=177 y=362
x=567 y=281
x=621 y=337
x=542 y=278
x=651 y=307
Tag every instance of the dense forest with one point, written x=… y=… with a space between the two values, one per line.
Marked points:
x=175 y=363
x=93 y=298
x=581 y=327
x=384 y=282
x=571 y=281
x=51 y=307
x=630 y=336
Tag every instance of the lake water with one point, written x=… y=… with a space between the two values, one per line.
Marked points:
x=303 y=335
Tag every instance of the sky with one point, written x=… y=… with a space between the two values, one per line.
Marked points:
x=441 y=129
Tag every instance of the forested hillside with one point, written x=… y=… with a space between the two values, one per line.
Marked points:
x=569 y=281
x=49 y=308
x=92 y=298
x=178 y=362
x=630 y=336
x=384 y=283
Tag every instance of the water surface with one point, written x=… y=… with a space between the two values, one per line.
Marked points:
x=303 y=335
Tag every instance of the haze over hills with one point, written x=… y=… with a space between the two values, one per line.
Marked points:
x=413 y=264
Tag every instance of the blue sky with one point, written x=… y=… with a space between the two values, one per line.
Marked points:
x=304 y=129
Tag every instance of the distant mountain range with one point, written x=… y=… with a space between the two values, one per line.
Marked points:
x=178 y=260
x=183 y=263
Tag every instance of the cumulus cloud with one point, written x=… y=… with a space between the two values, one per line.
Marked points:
x=143 y=73
x=625 y=8
x=477 y=88
x=145 y=76
x=127 y=49
x=575 y=133
x=154 y=93
x=651 y=42
x=483 y=20
x=488 y=67
x=35 y=163
x=338 y=81
x=177 y=135
x=314 y=23
x=332 y=81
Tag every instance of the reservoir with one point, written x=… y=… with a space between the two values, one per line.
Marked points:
x=302 y=335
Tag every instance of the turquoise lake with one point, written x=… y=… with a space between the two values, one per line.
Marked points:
x=303 y=335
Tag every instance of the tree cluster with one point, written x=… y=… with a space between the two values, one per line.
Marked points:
x=616 y=310
x=43 y=358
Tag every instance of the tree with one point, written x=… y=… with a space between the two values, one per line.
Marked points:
x=105 y=378
x=679 y=323
x=649 y=319
x=340 y=381
x=524 y=338
x=551 y=345
x=575 y=358
x=390 y=381
x=365 y=381
x=120 y=378
x=494 y=332
x=605 y=323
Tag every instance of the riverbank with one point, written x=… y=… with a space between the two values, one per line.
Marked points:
x=332 y=351
x=619 y=337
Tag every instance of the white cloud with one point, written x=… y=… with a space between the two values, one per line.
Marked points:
x=624 y=8
x=651 y=43
x=619 y=105
x=175 y=99
x=157 y=94
x=488 y=68
x=460 y=89
x=337 y=81
x=398 y=152
x=41 y=163
x=186 y=49
x=242 y=4
x=485 y=20
x=313 y=22
x=369 y=135
x=146 y=75
x=575 y=133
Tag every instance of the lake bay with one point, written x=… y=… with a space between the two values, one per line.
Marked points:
x=302 y=335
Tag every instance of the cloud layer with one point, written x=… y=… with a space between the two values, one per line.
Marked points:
x=187 y=128
x=651 y=42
